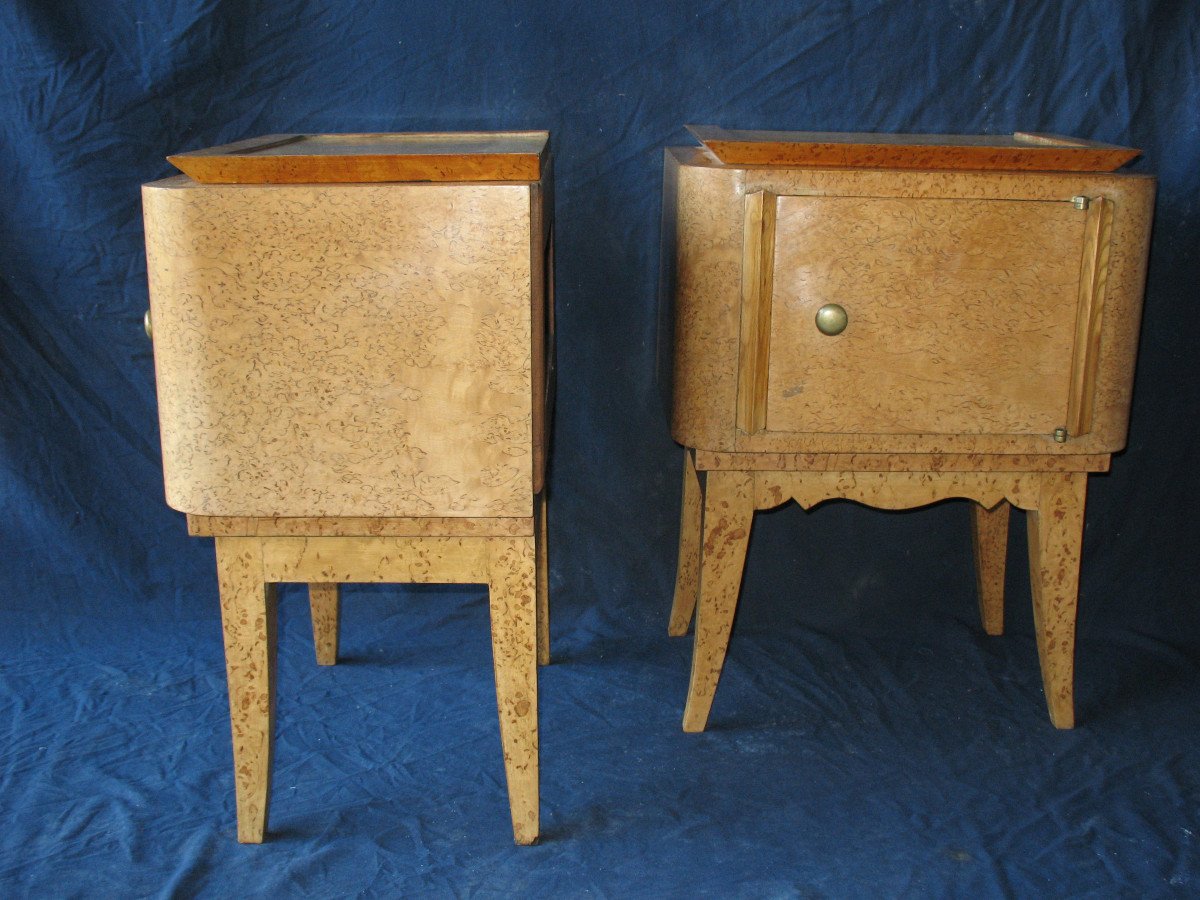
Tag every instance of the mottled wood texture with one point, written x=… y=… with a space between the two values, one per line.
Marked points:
x=376 y=560
x=1055 y=501
x=1055 y=530
x=687 y=575
x=707 y=201
x=512 y=573
x=248 y=621
x=353 y=382
x=1019 y=152
x=334 y=158
x=315 y=526
x=343 y=350
x=708 y=214
x=901 y=462
x=758 y=268
x=989 y=539
x=325 y=605
x=250 y=567
x=728 y=515
x=894 y=490
x=988 y=310
x=962 y=315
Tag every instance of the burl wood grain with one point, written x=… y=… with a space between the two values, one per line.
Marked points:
x=248 y=621
x=511 y=588
x=393 y=526
x=343 y=350
x=333 y=158
x=250 y=567
x=728 y=516
x=962 y=315
x=325 y=604
x=988 y=310
x=902 y=462
x=687 y=574
x=1055 y=531
x=708 y=202
x=989 y=538
x=709 y=223
x=1055 y=504
x=894 y=490
x=1019 y=152
x=375 y=560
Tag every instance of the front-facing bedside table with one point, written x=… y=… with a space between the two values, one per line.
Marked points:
x=352 y=342
x=898 y=320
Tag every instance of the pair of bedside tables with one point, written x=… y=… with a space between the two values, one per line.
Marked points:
x=354 y=342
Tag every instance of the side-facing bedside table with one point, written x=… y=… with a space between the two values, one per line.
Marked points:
x=352 y=337
x=898 y=320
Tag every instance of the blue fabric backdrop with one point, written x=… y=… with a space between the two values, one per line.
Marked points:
x=867 y=739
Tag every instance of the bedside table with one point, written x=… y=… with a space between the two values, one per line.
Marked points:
x=898 y=320
x=352 y=342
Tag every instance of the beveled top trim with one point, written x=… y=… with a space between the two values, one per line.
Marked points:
x=1022 y=151
x=339 y=158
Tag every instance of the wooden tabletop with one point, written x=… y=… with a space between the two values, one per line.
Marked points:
x=326 y=158
x=1022 y=151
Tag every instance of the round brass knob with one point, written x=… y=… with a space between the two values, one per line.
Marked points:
x=148 y=325
x=832 y=319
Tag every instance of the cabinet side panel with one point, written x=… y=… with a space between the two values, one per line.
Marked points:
x=1132 y=208
x=708 y=292
x=343 y=350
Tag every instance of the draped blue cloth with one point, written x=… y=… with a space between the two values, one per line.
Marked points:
x=867 y=739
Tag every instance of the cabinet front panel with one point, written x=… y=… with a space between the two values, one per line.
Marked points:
x=961 y=315
x=343 y=350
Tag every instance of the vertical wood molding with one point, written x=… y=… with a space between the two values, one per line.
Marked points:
x=758 y=260
x=1093 y=278
x=687 y=575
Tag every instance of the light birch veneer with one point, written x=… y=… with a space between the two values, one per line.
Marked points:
x=935 y=318
x=353 y=337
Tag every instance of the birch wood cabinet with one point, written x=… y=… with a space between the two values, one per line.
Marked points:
x=898 y=320
x=353 y=337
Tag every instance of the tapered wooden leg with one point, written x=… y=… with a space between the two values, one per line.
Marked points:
x=728 y=516
x=541 y=508
x=989 y=535
x=1055 y=543
x=687 y=572
x=512 y=576
x=248 y=623
x=325 y=604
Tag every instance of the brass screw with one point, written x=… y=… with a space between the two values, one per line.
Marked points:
x=1060 y=435
x=1080 y=202
x=147 y=325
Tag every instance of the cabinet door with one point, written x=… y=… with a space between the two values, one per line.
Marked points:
x=961 y=315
